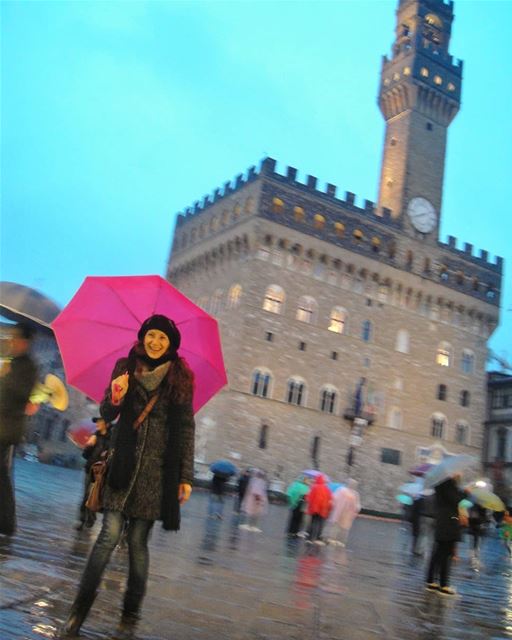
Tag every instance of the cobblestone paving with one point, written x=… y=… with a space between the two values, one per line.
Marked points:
x=213 y=581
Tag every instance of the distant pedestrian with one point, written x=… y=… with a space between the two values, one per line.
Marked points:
x=296 y=494
x=415 y=517
x=346 y=507
x=216 y=500
x=255 y=502
x=243 y=481
x=447 y=534
x=319 y=502
x=18 y=375
x=477 y=517
x=95 y=449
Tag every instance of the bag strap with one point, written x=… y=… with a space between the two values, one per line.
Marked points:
x=145 y=411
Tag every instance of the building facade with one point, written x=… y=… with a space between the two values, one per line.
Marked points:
x=498 y=436
x=314 y=292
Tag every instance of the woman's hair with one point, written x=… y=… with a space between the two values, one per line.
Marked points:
x=180 y=376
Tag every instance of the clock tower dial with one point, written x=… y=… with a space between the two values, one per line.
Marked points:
x=422 y=214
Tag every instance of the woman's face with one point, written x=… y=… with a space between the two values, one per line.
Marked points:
x=156 y=343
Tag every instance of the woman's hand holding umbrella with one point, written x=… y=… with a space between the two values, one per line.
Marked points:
x=119 y=388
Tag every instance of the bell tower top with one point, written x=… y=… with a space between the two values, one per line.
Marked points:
x=419 y=96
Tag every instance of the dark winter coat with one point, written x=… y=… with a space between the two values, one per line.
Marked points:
x=15 y=388
x=448 y=496
x=150 y=462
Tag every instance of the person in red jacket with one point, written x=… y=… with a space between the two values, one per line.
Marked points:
x=319 y=501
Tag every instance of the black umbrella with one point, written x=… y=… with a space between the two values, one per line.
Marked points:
x=23 y=304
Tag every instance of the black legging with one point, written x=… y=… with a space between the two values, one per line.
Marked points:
x=440 y=562
x=295 y=521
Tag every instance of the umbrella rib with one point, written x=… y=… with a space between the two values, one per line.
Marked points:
x=123 y=302
x=26 y=315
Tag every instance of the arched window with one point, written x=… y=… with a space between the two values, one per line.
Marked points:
x=295 y=392
x=366 y=331
x=318 y=221
x=328 y=397
x=395 y=418
x=299 y=214
x=467 y=363
x=337 y=320
x=277 y=205
x=274 y=299
x=444 y=354
x=402 y=341
x=438 y=425
x=465 y=398
x=441 y=392
x=249 y=205
x=260 y=383
x=234 y=295
x=339 y=229
x=306 y=309
x=462 y=432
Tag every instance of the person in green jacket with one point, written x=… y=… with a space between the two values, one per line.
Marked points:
x=296 y=493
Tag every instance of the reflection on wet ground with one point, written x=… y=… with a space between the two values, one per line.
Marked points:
x=214 y=580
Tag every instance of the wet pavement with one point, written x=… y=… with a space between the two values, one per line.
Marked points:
x=213 y=581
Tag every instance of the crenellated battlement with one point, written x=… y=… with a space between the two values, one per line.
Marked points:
x=467 y=253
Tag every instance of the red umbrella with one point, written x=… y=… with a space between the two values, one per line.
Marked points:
x=101 y=322
x=81 y=432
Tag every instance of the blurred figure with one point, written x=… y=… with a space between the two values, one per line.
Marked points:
x=447 y=534
x=346 y=507
x=296 y=494
x=255 y=501
x=415 y=516
x=319 y=501
x=95 y=448
x=18 y=375
x=477 y=517
x=216 y=501
x=243 y=481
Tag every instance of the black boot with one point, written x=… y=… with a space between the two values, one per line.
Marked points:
x=79 y=610
x=127 y=626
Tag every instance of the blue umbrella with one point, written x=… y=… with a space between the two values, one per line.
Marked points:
x=333 y=486
x=223 y=467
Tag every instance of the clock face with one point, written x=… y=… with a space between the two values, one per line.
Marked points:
x=422 y=214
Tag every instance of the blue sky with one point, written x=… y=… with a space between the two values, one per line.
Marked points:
x=117 y=115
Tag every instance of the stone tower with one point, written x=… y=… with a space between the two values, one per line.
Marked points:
x=419 y=96
x=316 y=290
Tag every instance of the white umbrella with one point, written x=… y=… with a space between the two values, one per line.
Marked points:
x=448 y=467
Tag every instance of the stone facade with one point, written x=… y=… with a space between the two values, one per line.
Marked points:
x=313 y=292
x=498 y=435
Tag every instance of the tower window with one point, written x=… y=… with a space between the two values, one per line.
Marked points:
x=358 y=234
x=443 y=356
x=387 y=81
x=424 y=72
x=318 y=221
x=433 y=20
x=306 y=310
x=441 y=392
x=299 y=214
x=366 y=331
x=467 y=364
x=315 y=448
x=451 y=86
x=464 y=398
x=438 y=80
x=407 y=71
x=396 y=76
x=277 y=205
x=339 y=229
x=328 y=400
x=461 y=433
x=274 y=298
x=269 y=336
x=302 y=346
x=429 y=126
x=334 y=355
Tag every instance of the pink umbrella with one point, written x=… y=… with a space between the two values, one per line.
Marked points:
x=100 y=325
x=81 y=432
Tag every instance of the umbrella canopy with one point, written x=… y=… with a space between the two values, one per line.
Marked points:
x=486 y=498
x=223 y=467
x=81 y=432
x=421 y=469
x=465 y=503
x=101 y=322
x=23 y=304
x=334 y=486
x=313 y=473
x=448 y=467
x=403 y=499
x=412 y=489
